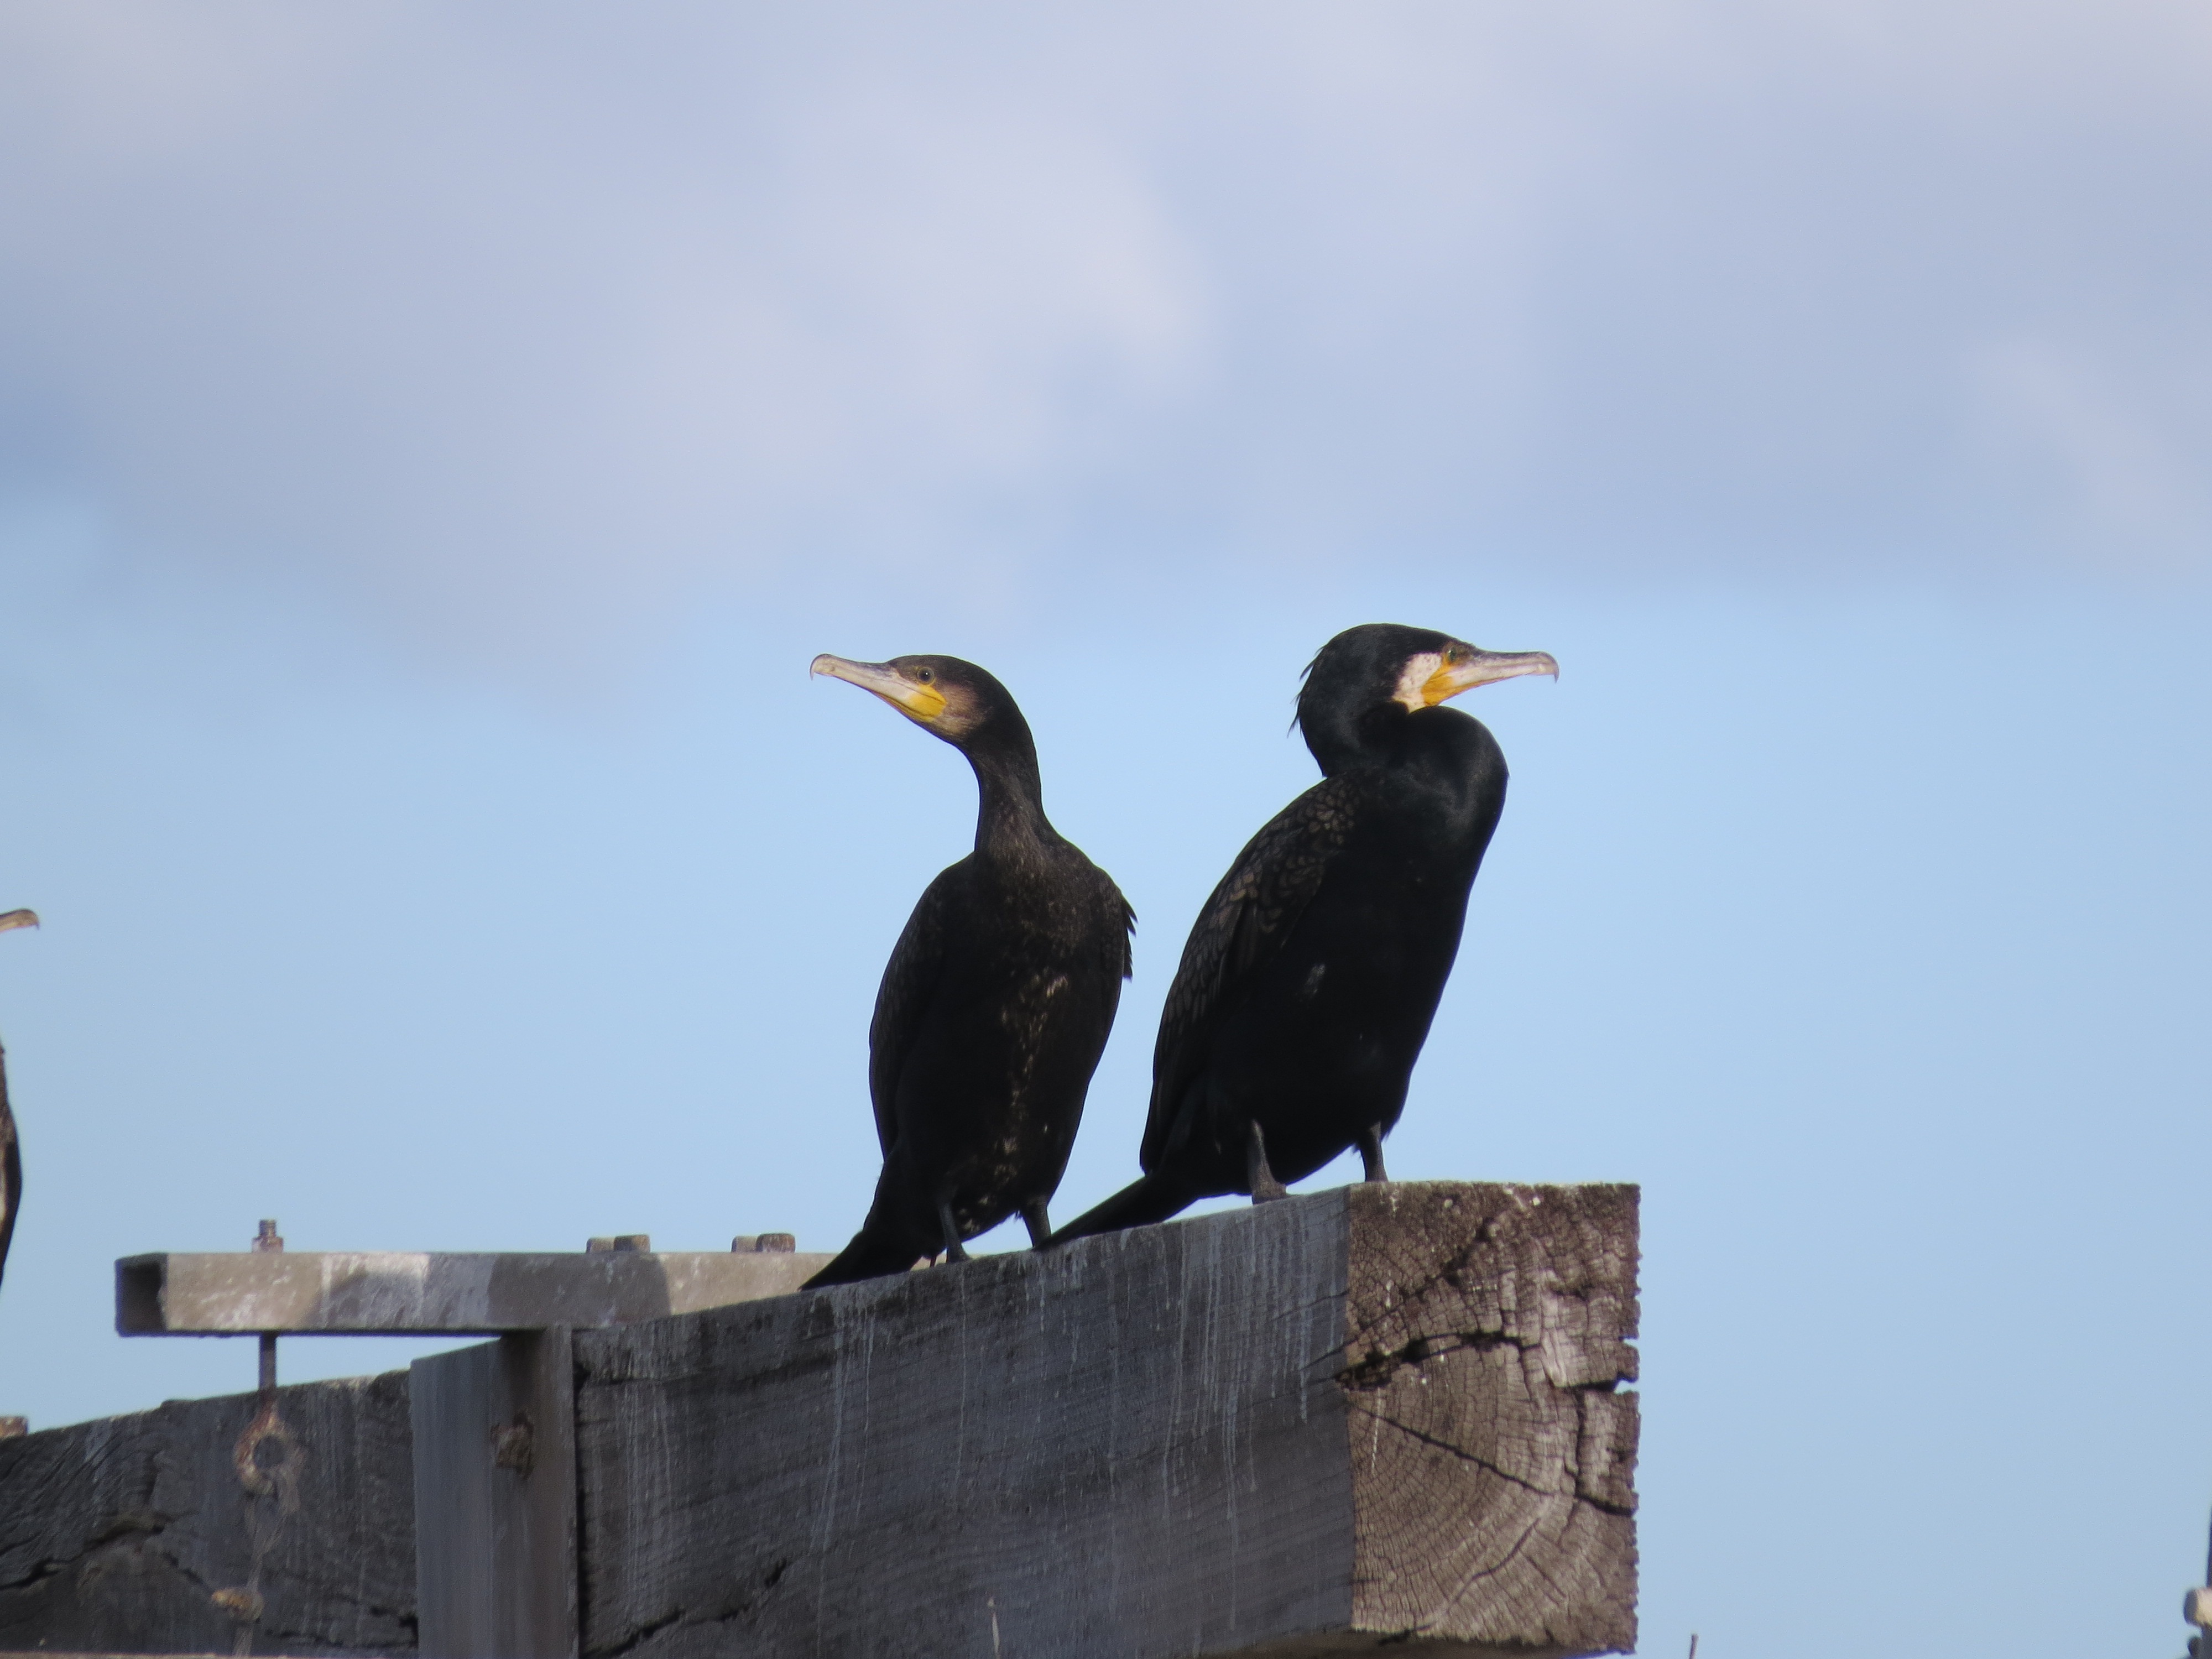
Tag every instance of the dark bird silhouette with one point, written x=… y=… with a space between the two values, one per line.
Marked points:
x=1308 y=984
x=11 y=1156
x=997 y=998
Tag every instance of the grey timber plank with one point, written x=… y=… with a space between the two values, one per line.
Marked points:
x=1374 y=1417
x=363 y=1292
x=174 y=1531
x=496 y=1499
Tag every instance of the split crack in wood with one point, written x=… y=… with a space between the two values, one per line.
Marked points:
x=686 y=1618
x=1378 y=1368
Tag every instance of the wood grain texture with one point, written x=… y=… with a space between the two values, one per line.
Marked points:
x=495 y=1499
x=1374 y=1417
x=118 y=1536
x=1486 y=1330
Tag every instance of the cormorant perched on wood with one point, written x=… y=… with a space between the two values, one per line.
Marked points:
x=1308 y=984
x=11 y=1157
x=997 y=998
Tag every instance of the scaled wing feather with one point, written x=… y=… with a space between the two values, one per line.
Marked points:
x=1244 y=923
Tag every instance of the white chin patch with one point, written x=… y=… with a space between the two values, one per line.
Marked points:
x=1414 y=679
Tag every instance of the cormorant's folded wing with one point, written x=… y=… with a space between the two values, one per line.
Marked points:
x=11 y=1168
x=1245 y=921
x=910 y=986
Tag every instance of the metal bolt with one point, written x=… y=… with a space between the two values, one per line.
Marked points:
x=267 y=1241
x=245 y=1605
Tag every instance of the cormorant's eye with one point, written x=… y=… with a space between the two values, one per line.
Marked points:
x=924 y=675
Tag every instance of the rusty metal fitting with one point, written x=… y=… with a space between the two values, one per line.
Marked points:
x=514 y=1446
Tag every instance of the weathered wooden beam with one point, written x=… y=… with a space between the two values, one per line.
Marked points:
x=385 y=1293
x=495 y=1499
x=288 y=1522
x=1383 y=1414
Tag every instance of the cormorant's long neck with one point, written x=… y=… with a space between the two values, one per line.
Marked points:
x=1343 y=736
x=1010 y=808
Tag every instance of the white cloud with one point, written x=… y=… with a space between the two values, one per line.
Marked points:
x=506 y=318
x=2115 y=450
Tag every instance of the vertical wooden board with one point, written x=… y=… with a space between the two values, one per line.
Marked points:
x=494 y=1500
x=1135 y=1445
x=1487 y=1330
x=115 y=1534
x=542 y=1377
x=455 y=1564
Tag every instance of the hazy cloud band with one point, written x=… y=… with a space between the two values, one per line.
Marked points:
x=505 y=317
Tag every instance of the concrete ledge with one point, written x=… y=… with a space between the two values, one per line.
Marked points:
x=388 y=1293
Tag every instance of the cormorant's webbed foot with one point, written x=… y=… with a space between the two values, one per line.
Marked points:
x=1039 y=1223
x=1371 y=1152
x=1259 y=1180
x=952 y=1250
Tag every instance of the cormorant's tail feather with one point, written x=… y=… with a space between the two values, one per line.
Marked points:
x=870 y=1255
x=1151 y=1198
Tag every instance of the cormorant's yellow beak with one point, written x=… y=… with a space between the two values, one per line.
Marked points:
x=19 y=919
x=1436 y=676
x=920 y=703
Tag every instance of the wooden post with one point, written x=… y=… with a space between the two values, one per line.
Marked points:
x=496 y=1499
x=1380 y=1414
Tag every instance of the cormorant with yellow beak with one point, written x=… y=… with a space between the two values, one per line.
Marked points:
x=997 y=998
x=1309 y=979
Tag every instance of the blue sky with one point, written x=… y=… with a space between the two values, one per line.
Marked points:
x=433 y=444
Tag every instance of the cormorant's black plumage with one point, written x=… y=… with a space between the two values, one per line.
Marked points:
x=11 y=1168
x=997 y=998
x=11 y=1155
x=1308 y=984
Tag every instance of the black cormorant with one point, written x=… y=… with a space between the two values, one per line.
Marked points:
x=997 y=1000
x=11 y=1157
x=1308 y=984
